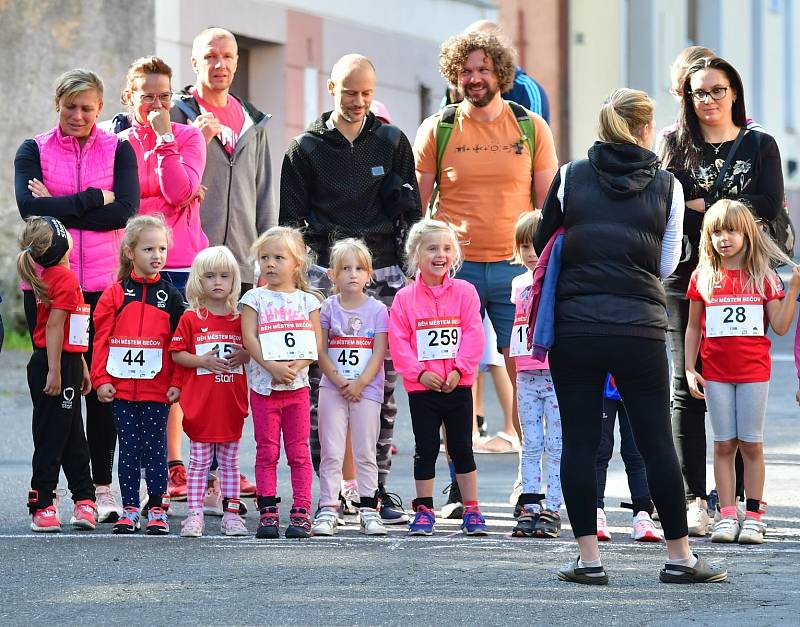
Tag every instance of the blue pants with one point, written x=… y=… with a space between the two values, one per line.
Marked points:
x=142 y=431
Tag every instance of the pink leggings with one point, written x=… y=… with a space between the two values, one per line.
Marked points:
x=201 y=454
x=364 y=418
x=288 y=412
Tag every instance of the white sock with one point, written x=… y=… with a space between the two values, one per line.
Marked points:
x=590 y=564
x=685 y=561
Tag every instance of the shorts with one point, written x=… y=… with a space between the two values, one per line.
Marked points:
x=737 y=410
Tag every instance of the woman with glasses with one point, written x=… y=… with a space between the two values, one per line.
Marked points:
x=86 y=178
x=712 y=115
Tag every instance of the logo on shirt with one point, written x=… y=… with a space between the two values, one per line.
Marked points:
x=204 y=329
x=68 y=394
x=162 y=296
x=129 y=292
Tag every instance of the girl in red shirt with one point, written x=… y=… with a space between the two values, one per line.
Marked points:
x=57 y=376
x=207 y=347
x=734 y=296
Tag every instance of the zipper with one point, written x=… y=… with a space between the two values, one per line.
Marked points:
x=79 y=155
x=139 y=334
x=228 y=204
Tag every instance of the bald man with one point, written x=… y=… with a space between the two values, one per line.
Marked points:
x=350 y=175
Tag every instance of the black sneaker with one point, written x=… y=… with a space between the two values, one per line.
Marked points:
x=391 y=507
x=454 y=508
x=269 y=524
x=548 y=525
x=299 y=524
x=526 y=524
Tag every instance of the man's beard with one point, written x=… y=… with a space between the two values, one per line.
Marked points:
x=480 y=101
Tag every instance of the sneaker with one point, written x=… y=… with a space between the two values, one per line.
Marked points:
x=644 y=529
x=516 y=490
x=192 y=526
x=326 y=521
x=212 y=500
x=370 y=521
x=45 y=520
x=269 y=524
x=233 y=525
x=726 y=530
x=84 y=515
x=176 y=483
x=752 y=531
x=697 y=519
x=246 y=489
x=108 y=510
x=391 y=507
x=299 y=524
x=474 y=524
x=423 y=522
x=130 y=521
x=454 y=508
x=526 y=523
x=548 y=525
x=603 y=532
x=157 y=524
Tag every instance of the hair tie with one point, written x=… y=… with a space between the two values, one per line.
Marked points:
x=28 y=250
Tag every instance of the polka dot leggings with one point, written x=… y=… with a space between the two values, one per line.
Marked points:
x=142 y=430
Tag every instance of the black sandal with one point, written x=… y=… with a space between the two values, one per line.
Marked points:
x=572 y=572
x=702 y=572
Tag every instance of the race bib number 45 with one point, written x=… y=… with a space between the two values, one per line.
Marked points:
x=438 y=338
x=735 y=315
x=287 y=340
x=350 y=354
x=134 y=357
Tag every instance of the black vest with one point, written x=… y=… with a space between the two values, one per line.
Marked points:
x=609 y=281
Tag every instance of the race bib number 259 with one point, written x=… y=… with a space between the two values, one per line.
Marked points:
x=438 y=338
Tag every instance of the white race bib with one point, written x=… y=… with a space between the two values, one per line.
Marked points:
x=350 y=354
x=79 y=325
x=225 y=350
x=287 y=340
x=735 y=315
x=519 y=337
x=134 y=357
x=438 y=338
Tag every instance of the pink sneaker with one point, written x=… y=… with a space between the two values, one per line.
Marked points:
x=176 y=483
x=46 y=520
x=84 y=515
x=603 y=534
x=644 y=530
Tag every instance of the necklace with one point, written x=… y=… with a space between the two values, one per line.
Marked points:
x=717 y=147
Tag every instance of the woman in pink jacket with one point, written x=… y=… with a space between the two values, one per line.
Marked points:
x=436 y=341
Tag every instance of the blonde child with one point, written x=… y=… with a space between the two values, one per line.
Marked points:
x=355 y=336
x=207 y=347
x=538 y=406
x=134 y=322
x=436 y=342
x=280 y=329
x=57 y=376
x=734 y=297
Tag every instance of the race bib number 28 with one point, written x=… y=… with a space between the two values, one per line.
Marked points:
x=287 y=340
x=735 y=315
x=438 y=338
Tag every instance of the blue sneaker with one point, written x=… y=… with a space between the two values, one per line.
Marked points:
x=474 y=524
x=423 y=522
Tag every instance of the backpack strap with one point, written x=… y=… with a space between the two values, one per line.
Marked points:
x=185 y=109
x=447 y=121
x=528 y=136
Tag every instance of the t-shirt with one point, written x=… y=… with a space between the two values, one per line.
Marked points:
x=272 y=306
x=344 y=326
x=521 y=288
x=734 y=359
x=214 y=405
x=486 y=178
x=65 y=294
x=231 y=119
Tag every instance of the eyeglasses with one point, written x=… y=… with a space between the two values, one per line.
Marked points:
x=717 y=93
x=165 y=98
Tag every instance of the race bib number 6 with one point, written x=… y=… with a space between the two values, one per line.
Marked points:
x=287 y=340
x=735 y=315
x=438 y=338
x=134 y=357
x=350 y=354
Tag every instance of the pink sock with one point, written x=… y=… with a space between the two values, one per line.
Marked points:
x=471 y=506
x=728 y=512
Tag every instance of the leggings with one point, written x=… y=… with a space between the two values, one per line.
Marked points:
x=142 y=429
x=200 y=456
x=541 y=432
x=639 y=366
x=737 y=410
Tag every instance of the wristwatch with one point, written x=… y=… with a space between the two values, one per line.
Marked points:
x=166 y=138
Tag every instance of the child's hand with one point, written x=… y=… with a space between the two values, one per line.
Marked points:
x=452 y=381
x=86 y=382
x=282 y=372
x=794 y=282
x=352 y=390
x=696 y=384
x=432 y=381
x=173 y=394
x=105 y=393
x=52 y=386
x=239 y=358
x=211 y=361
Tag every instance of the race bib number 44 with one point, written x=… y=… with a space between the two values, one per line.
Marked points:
x=519 y=337
x=79 y=326
x=134 y=357
x=438 y=338
x=350 y=354
x=735 y=315
x=287 y=340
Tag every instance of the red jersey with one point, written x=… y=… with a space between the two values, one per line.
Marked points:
x=231 y=119
x=734 y=345
x=65 y=294
x=214 y=405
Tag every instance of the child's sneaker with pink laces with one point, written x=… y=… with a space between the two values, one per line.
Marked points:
x=157 y=524
x=84 y=515
x=192 y=526
x=644 y=529
x=269 y=524
x=46 y=520
x=299 y=523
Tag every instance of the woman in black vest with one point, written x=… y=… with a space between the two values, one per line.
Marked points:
x=622 y=217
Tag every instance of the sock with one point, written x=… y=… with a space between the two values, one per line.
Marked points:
x=729 y=512
x=267 y=501
x=685 y=561
x=349 y=484
x=427 y=501
x=452 y=468
x=175 y=462
x=471 y=506
x=590 y=564
x=755 y=509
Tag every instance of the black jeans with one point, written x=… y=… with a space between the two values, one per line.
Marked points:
x=639 y=366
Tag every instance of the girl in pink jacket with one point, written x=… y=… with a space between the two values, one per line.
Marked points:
x=436 y=342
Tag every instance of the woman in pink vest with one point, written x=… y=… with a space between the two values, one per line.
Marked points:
x=87 y=178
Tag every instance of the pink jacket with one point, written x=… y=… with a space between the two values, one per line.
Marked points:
x=66 y=169
x=169 y=177
x=413 y=307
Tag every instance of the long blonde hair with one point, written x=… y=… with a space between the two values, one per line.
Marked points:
x=293 y=240
x=419 y=232
x=35 y=238
x=133 y=231
x=349 y=246
x=760 y=252
x=213 y=259
x=623 y=116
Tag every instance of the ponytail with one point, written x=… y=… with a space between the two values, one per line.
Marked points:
x=35 y=240
x=624 y=114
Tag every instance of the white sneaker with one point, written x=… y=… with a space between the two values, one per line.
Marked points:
x=233 y=525
x=697 y=519
x=212 y=501
x=644 y=529
x=726 y=530
x=326 y=522
x=516 y=490
x=752 y=531
x=371 y=523
x=603 y=533
x=108 y=510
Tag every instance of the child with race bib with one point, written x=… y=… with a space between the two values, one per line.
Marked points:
x=436 y=342
x=207 y=347
x=538 y=406
x=355 y=330
x=57 y=376
x=280 y=328
x=134 y=322
x=734 y=295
